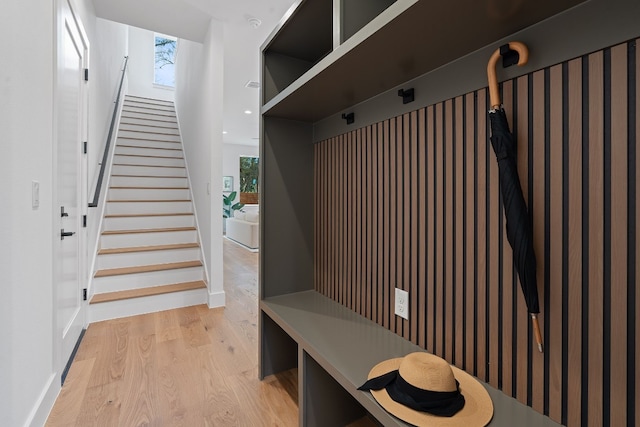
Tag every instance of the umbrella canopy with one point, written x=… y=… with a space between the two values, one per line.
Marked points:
x=518 y=228
x=519 y=231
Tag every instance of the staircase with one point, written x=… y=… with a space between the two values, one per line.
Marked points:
x=149 y=256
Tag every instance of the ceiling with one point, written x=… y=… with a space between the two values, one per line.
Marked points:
x=189 y=19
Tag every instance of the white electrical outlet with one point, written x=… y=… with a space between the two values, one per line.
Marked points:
x=402 y=303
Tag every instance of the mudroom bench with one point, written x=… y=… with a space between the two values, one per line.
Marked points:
x=334 y=348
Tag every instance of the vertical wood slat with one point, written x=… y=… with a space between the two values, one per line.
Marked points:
x=554 y=341
x=459 y=240
x=380 y=232
x=637 y=236
x=393 y=201
x=439 y=234
x=521 y=317
x=373 y=212
x=387 y=221
x=431 y=196
x=421 y=243
x=357 y=295
x=537 y=393
x=414 y=229
x=493 y=262
x=448 y=217
x=470 y=230
x=481 y=232
x=574 y=394
x=618 y=332
x=596 y=238
x=422 y=221
x=406 y=221
x=369 y=219
x=508 y=285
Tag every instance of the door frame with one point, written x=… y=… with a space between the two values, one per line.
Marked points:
x=81 y=188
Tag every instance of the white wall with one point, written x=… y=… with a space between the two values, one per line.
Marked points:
x=231 y=165
x=141 y=66
x=29 y=375
x=199 y=83
x=26 y=129
x=109 y=46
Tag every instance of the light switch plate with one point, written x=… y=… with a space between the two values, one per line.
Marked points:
x=402 y=303
x=35 y=194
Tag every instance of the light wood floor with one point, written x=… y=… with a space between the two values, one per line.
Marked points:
x=192 y=366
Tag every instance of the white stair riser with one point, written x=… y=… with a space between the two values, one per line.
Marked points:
x=135 y=306
x=146 y=194
x=133 y=259
x=145 y=151
x=127 y=115
x=148 y=207
x=132 y=181
x=139 y=223
x=148 y=106
x=143 y=103
x=134 y=98
x=149 y=113
x=145 y=143
x=148 y=136
x=147 y=171
x=129 y=124
x=143 y=280
x=110 y=241
x=152 y=161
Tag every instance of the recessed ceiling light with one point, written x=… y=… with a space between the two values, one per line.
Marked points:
x=247 y=111
x=224 y=132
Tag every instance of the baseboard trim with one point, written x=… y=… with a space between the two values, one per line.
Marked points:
x=44 y=404
x=217 y=299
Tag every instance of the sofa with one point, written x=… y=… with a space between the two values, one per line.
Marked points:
x=243 y=228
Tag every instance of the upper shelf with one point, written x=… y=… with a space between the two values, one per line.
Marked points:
x=407 y=39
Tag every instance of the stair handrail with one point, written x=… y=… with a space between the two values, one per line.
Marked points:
x=105 y=156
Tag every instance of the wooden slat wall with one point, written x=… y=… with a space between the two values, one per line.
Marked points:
x=413 y=202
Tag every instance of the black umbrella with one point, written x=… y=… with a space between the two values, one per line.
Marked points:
x=518 y=225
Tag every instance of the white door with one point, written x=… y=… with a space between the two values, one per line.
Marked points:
x=70 y=107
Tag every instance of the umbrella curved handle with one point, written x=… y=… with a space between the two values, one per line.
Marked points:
x=494 y=93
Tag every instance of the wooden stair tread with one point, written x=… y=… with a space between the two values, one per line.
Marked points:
x=149 y=148
x=149 y=157
x=128 y=97
x=148 y=131
x=145 y=292
x=149 y=120
x=147 y=126
x=149 y=188
x=149 y=176
x=133 y=249
x=147 y=268
x=147 y=201
x=147 y=230
x=148 y=139
x=151 y=166
x=147 y=215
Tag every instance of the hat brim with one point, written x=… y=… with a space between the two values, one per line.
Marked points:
x=477 y=410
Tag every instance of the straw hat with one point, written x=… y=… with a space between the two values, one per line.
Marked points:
x=425 y=381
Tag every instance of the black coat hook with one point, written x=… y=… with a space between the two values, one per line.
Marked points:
x=407 y=95
x=350 y=118
x=509 y=56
